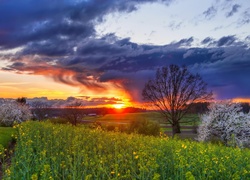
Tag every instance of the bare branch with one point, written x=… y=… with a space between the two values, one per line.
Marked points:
x=173 y=90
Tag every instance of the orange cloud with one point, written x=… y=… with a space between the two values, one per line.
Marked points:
x=241 y=100
x=85 y=82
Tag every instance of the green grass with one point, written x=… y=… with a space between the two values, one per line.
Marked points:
x=6 y=135
x=112 y=119
x=48 y=151
x=127 y=117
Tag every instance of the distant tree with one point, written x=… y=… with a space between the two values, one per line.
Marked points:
x=13 y=112
x=103 y=111
x=21 y=100
x=226 y=121
x=40 y=109
x=198 y=108
x=74 y=112
x=245 y=107
x=173 y=90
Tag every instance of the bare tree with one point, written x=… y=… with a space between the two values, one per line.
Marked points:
x=172 y=92
x=74 y=112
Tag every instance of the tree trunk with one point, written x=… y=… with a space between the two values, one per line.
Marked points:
x=176 y=128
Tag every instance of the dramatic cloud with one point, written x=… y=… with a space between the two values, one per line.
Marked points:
x=58 y=40
x=226 y=41
x=128 y=66
x=57 y=21
x=86 y=101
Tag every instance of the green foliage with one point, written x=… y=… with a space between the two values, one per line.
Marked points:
x=145 y=127
x=6 y=135
x=48 y=151
x=118 y=128
x=127 y=117
x=59 y=120
x=141 y=126
x=189 y=119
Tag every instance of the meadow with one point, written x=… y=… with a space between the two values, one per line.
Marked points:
x=124 y=118
x=187 y=123
x=48 y=151
x=128 y=117
x=5 y=137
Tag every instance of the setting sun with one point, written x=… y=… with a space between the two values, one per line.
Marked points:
x=118 y=106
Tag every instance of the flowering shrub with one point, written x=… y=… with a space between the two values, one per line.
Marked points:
x=225 y=121
x=13 y=112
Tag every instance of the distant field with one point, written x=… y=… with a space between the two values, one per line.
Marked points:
x=127 y=117
x=124 y=118
x=5 y=135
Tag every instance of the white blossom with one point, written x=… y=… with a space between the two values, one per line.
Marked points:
x=225 y=121
x=13 y=112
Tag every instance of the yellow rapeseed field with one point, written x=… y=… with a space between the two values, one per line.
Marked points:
x=47 y=151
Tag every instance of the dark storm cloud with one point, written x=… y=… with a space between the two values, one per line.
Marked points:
x=131 y=82
x=25 y=22
x=89 y=101
x=228 y=72
x=226 y=41
x=206 y=40
x=48 y=48
x=184 y=42
x=129 y=65
x=220 y=67
x=234 y=10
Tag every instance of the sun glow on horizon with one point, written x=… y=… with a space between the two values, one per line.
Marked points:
x=118 y=106
x=241 y=100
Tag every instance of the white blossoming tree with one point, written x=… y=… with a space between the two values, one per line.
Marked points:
x=13 y=112
x=226 y=121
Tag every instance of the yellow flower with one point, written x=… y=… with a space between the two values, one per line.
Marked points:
x=34 y=177
x=7 y=171
x=189 y=176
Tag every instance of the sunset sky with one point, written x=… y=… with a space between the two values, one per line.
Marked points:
x=105 y=50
